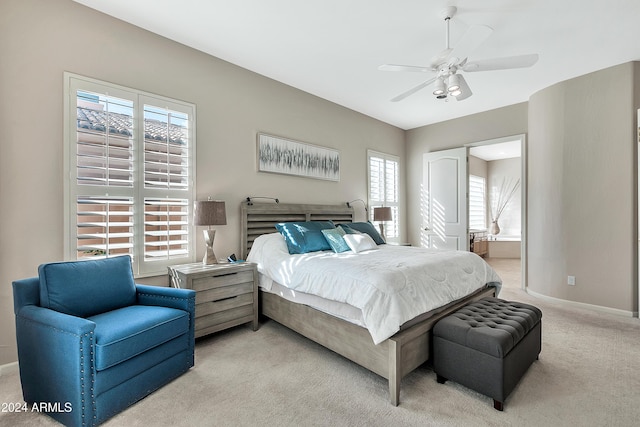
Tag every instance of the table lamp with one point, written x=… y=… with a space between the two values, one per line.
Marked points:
x=382 y=214
x=209 y=212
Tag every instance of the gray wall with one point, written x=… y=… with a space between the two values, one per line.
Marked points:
x=40 y=39
x=582 y=189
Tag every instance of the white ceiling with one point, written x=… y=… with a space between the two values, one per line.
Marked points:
x=332 y=48
x=497 y=151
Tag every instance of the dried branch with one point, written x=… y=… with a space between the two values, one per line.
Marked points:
x=507 y=189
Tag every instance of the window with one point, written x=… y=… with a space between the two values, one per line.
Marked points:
x=130 y=165
x=384 y=190
x=477 y=203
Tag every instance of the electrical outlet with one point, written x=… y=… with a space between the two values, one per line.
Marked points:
x=571 y=280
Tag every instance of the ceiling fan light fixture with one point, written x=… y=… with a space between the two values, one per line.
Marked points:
x=453 y=83
x=446 y=64
x=439 y=87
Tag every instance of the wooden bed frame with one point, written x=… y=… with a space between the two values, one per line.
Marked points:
x=393 y=358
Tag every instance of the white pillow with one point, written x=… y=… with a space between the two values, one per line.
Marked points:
x=360 y=242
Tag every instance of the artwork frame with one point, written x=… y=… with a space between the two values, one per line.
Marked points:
x=289 y=157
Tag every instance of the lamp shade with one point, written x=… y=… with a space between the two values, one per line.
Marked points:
x=209 y=212
x=453 y=83
x=382 y=213
x=439 y=87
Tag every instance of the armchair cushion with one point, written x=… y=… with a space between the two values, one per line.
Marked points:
x=87 y=288
x=126 y=332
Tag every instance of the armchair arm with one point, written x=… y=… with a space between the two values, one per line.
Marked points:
x=60 y=323
x=56 y=360
x=183 y=299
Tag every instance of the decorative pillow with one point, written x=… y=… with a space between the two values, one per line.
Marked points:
x=306 y=236
x=364 y=227
x=347 y=230
x=87 y=288
x=334 y=237
x=360 y=242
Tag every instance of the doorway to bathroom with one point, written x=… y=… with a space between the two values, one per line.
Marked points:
x=498 y=168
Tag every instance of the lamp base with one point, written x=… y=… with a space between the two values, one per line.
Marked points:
x=381 y=225
x=209 y=256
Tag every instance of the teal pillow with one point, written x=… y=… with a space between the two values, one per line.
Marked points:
x=364 y=227
x=306 y=236
x=335 y=239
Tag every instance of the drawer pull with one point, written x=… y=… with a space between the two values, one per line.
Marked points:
x=226 y=274
x=224 y=299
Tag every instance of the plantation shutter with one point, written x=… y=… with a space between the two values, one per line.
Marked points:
x=166 y=228
x=166 y=149
x=131 y=176
x=477 y=203
x=166 y=172
x=104 y=140
x=383 y=189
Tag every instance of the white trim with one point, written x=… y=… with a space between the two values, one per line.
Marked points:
x=583 y=305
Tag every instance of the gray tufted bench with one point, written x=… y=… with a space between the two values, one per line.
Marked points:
x=487 y=346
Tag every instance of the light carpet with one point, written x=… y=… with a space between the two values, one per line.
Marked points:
x=588 y=375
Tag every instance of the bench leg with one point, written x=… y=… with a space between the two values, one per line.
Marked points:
x=440 y=379
x=498 y=405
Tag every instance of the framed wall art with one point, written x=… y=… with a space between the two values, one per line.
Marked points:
x=285 y=156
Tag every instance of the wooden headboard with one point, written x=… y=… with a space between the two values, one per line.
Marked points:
x=261 y=218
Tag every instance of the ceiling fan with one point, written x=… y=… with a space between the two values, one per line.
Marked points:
x=447 y=64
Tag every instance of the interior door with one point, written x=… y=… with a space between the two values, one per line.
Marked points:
x=444 y=200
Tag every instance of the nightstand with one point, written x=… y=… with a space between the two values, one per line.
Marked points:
x=226 y=294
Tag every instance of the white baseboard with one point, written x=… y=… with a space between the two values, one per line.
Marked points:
x=9 y=368
x=609 y=310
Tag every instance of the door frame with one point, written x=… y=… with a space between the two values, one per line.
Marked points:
x=523 y=195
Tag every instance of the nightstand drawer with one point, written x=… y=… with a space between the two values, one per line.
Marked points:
x=210 y=282
x=240 y=314
x=221 y=293
x=228 y=303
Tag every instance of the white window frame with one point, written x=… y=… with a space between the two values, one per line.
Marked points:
x=138 y=192
x=482 y=224
x=393 y=204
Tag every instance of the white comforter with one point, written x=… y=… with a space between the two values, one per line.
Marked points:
x=390 y=285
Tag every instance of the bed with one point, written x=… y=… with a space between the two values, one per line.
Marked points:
x=392 y=358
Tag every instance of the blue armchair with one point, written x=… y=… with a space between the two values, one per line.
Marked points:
x=91 y=342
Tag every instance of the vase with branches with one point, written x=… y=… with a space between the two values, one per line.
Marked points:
x=505 y=193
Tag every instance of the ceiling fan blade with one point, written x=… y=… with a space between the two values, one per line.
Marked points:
x=505 y=63
x=440 y=58
x=413 y=90
x=464 y=89
x=474 y=37
x=410 y=68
